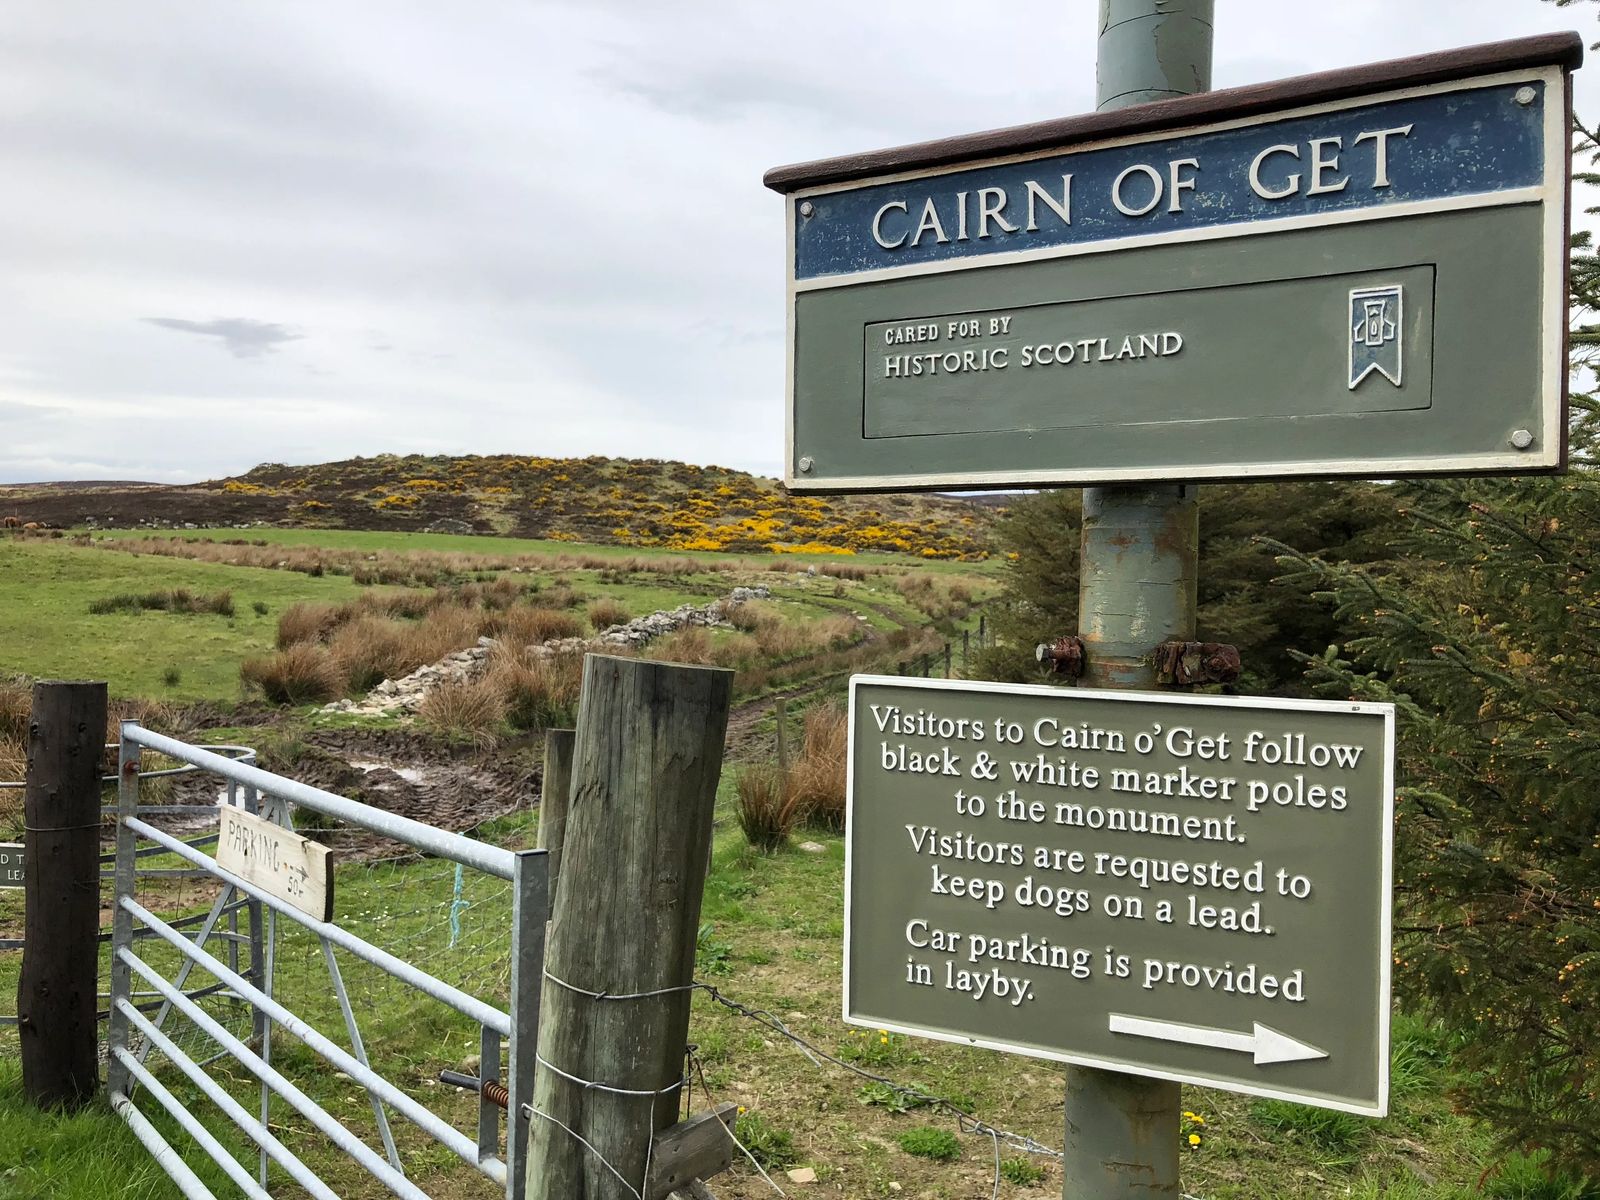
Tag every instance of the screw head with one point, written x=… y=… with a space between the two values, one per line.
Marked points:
x=1525 y=95
x=1521 y=438
x=807 y=209
x=806 y=463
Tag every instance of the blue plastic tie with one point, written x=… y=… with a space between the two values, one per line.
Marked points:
x=457 y=907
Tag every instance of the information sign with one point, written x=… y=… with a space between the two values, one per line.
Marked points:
x=11 y=865
x=277 y=860
x=1360 y=273
x=1190 y=887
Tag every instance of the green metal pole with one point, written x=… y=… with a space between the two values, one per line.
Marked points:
x=1138 y=577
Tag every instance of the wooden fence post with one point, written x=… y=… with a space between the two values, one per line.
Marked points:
x=966 y=647
x=782 y=711
x=947 y=660
x=615 y=1018
x=554 y=791
x=57 y=990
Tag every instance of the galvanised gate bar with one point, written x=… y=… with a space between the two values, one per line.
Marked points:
x=133 y=1034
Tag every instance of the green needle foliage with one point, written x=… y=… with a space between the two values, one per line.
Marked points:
x=1484 y=631
x=1241 y=600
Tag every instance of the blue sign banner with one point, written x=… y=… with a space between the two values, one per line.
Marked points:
x=1435 y=147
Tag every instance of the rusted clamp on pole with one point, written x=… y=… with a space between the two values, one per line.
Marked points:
x=1064 y=656
x=1197 y=662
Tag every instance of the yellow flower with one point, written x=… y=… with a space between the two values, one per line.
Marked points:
x=1194 y=1139
x=1197 y=1118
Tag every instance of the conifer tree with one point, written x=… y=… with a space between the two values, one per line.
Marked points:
x=1484 y=630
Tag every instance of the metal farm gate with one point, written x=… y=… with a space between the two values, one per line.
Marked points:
x=149 y=999
x=144 y=872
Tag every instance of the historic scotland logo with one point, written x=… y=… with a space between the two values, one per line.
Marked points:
x=1375 y=344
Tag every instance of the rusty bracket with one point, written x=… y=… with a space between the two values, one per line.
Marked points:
x=1064 y=656
x=1197 y=662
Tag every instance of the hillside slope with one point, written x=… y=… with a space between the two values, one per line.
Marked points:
x=641 y=502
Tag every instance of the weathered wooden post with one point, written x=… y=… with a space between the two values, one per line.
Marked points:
x=620 y=962
x=781 y=711
x=1137 y=583
x=554 y=791
x=57 y=990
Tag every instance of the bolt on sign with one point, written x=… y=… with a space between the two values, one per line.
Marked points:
x=1361 y=273
x=1190 y=887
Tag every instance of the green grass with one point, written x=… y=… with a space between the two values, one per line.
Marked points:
x=47 y=631
x=772 y=940
x=88 y=1155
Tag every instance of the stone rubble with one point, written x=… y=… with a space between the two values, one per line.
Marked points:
x=399 y=697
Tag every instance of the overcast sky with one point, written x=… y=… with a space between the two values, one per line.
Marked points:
x=300 y=231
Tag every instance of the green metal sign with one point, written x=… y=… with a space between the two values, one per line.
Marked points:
x=1367 y=279
x=1190 y=887
x=11 y=865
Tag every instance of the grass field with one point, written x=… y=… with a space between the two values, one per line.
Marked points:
x=46 y=629
x=770 y=932
x=770 y=939
x=48 y=585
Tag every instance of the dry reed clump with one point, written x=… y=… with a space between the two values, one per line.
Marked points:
x=539 y=693
x=690 y=645
x=369 y=650
x=303 y=673
x=737 y=651
x=16 y=706
x=304 y=621
x=837 y=631
x=767 y=809
x=606 y=612
x=530 y=626
x=817 y=776
x=470 y=710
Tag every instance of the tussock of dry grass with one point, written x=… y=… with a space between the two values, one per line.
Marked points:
x=539 y=693
x=304 y=673
x=471 y=710
x=817 y=776
x=531 y=626
x=690 y=645
x=768 y=811
x=606 y=612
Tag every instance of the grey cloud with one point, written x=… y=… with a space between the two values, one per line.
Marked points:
x=243 y=337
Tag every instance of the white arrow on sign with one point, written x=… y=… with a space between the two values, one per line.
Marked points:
x=1264 y=1044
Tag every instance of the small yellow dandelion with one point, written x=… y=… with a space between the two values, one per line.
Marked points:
x=1194 y=1139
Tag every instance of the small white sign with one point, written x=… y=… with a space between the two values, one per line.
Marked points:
x=11 y=861
x=279 y=861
